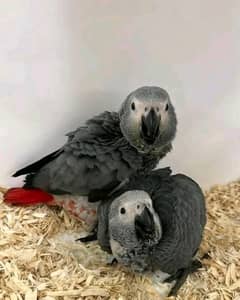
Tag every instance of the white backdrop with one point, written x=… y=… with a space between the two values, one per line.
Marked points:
x=64 y=61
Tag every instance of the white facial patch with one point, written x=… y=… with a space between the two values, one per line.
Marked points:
x=126 y=207
x=142 y=108
x=138 y=111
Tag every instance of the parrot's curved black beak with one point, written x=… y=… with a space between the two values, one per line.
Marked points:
x=144 y=224
x=150 y=127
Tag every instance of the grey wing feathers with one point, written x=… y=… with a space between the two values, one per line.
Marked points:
x=94 y=158
x=34 y=167
x=184 y=220
x=197 y=199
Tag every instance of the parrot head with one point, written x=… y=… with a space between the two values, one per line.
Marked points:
x=147 y=118
x=133 y=223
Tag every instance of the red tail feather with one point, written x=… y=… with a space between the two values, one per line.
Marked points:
x=21 y=196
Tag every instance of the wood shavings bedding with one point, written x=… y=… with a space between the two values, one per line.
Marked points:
x=39 y=258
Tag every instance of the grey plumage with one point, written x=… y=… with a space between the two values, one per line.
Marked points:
x=180 y=205
x=109 y=148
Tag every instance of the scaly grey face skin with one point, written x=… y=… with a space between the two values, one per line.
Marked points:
x=147 y=118
x=134 y=227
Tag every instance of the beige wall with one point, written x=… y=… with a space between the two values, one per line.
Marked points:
x=63 y=61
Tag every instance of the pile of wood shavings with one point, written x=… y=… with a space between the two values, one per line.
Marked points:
x=39 y=258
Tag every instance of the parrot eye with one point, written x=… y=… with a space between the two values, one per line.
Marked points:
x=166 y=108
x=133 y=106
x=145 y=108
x=138 y=206
x=122 y=211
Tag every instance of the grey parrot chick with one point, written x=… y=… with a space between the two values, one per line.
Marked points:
x=134 y=227
x=155 y=224
x=100 y=156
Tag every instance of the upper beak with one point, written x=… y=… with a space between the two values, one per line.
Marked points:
x=144 y=224
x=150 y=126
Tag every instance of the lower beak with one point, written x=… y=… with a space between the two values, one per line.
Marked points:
x=150 y=127
x=144 y=224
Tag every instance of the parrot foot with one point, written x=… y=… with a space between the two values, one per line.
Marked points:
x=181 y=276
x=206 y=256
x=88 y=238
x=162 y=287
x=111 y=261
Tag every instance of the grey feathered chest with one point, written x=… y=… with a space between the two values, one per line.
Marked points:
x=105 y=143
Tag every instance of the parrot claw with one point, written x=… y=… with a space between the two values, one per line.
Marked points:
x=88 y=238
x=181 y=276
x=206 y=256
x=112 y=261
x=159 y=282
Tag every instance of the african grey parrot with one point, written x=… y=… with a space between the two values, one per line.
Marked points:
x=155 y=223
x=101 y=155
